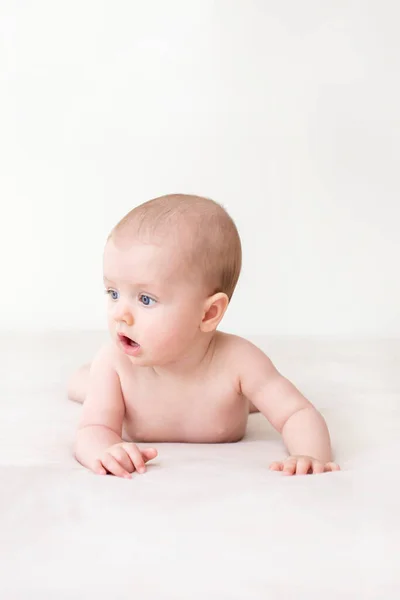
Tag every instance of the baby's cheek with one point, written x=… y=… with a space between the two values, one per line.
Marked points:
x=110 y=323
x=169 y=334
x=165 y=336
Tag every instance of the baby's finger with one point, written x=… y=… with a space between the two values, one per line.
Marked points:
x=290 y=466
x=121 y=455
x=276 y=466
x=303 y=466
x=317 y=466
x=98 y=468
x=148 y=454
x=136 y=457
x=331 y=466
x=113 y=466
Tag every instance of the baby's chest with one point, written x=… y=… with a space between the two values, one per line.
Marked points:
x=205 y=412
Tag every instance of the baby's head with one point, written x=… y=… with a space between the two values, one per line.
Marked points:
x=170 y=268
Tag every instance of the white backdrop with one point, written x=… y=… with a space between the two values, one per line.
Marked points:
x=287 y=113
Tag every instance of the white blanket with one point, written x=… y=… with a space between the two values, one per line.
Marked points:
x=205 y=521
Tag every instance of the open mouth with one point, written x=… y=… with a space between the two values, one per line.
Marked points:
x=127 y=342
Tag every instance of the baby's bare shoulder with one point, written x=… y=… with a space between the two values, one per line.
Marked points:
x=234 y=344
x=247 y=362
x=238 y=350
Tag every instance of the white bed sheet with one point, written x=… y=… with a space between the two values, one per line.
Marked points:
x=205 y=521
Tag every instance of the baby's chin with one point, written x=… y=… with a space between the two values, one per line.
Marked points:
x=139 y=360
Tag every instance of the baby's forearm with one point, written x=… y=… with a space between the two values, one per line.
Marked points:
x=91 y=441
x=306 y=433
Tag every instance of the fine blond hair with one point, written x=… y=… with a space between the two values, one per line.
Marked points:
x=202 y=230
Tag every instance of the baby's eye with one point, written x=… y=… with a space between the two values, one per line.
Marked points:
x=113 y=294
x=146 y=300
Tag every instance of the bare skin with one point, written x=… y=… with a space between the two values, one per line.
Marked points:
x=177 y=411
x=168 y=375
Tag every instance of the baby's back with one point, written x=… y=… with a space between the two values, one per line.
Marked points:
x=205 y=408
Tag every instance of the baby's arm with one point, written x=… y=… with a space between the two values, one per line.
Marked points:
x=103 y=411
x=98 y=443
x=303 y=428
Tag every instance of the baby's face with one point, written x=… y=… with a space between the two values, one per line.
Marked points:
x=152 y=301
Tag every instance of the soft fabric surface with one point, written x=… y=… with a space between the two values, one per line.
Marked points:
x=205 y=521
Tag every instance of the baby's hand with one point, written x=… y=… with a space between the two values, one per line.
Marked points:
x=124 y=458
x=301 y=465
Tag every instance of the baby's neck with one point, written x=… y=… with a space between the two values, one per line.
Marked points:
x=193 y=363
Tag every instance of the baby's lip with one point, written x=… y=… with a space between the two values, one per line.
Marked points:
x=131 y=348
x=123 y=335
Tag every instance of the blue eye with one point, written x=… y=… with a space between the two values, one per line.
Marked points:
x=113 y=294
x=146 y=300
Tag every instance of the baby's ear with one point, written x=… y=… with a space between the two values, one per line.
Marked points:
x=214 y=309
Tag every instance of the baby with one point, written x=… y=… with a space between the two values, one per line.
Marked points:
x=167 y=375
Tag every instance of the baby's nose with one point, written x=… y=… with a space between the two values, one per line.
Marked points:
x=124 y=314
